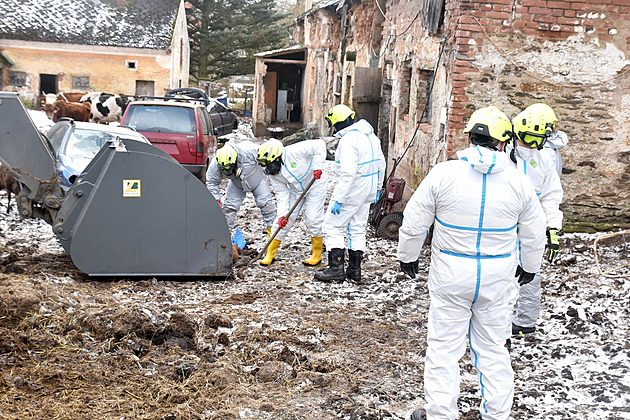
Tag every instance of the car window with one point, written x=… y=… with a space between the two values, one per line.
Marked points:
x=206 y=116
x=217 y=109
x=162 y=119
x=56 y=134
x=86 y=143
x=204 y=121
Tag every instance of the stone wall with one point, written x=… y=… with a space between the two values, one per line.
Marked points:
x=572 y=55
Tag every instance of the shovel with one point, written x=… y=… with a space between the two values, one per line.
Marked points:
x=293 y=207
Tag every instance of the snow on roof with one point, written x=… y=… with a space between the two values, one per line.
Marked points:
x=137 y=24
x=296 y=47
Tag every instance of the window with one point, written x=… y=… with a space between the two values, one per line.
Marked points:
x=162 y=119
x=405 y=88
x=203 y=118
x=81 y=82
x=17 y=78
x=131 y=64
x=425 y=79
x=433 y=15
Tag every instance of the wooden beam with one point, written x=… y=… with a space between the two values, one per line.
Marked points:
x=281 y=61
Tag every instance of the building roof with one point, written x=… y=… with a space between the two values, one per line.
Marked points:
x=135 y=24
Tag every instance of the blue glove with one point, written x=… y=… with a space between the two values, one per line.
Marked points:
x=336 y=208
x=238 y=239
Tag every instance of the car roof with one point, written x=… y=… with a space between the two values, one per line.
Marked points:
x=173 y=102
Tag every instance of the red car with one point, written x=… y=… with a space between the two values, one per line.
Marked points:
x=181 y=128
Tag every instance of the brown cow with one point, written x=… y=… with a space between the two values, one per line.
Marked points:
x=9 y=184
x=70 y=96
x=48 y=109
x=76 y=111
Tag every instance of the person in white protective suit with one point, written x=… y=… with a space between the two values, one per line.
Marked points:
x=237 y=163
x=480 y=207
x=532 y=127
x=290 y=170
x=360 y=168
x=556 y=141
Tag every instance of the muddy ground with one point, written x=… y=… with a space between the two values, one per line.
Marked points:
x=271 y=343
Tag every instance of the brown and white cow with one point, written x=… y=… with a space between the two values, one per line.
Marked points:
x=106 y=107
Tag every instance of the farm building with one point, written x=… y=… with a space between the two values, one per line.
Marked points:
x=418 y=69
x=118 y=46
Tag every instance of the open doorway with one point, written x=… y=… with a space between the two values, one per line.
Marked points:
x=282 y=94
x=48 y=83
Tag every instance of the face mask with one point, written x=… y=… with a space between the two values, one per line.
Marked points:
x=524 y=152
x=273 y=168
x=228 y=171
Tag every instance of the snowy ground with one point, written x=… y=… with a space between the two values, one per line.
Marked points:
x=271 y=343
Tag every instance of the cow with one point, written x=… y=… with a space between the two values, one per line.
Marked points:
x=49 y=98
x=74 y=110
x=48 y=109
x=106 y=107
x=9 y=184
x=70 y=96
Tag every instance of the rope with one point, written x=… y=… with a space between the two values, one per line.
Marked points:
x=534 y=76
x=607 y=273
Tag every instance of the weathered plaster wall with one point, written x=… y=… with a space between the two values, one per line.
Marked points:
x=180 y=51
x=407 y=47
x=105 y=67
x=572 y=55
x=322 y=34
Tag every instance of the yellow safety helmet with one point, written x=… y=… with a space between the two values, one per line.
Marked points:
x=339 y=113
x=546 y=112
x=226 y=156
x=533 y=125
x=269 y=151
x=487 y=125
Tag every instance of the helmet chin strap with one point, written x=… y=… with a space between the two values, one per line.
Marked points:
x=513 y=153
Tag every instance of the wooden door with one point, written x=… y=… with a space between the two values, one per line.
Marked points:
x=270 y=83
x=367 y=94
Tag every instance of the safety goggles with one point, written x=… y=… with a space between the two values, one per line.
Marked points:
x=534 y=139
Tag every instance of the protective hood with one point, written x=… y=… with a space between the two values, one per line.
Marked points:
x=361 y=126
x=557 y=140
x=484 y=160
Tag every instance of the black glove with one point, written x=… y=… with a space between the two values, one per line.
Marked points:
x=410 y=268
x=523 y=276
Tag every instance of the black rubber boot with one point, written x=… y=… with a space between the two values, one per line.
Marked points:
x=353 y=272
x=334 y=271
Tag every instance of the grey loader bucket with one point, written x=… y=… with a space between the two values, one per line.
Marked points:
x=134 y=211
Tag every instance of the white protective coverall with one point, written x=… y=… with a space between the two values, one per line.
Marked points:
x=250 y=179
x=299 y=162
x=554 y=143
x=541 y=171
x=480 y=206
x=359 y=171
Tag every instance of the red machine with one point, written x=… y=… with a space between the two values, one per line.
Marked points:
x=384 y=221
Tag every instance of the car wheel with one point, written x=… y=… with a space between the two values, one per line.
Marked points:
x=202 y=175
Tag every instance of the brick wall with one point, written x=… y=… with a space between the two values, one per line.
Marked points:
x=573 y=55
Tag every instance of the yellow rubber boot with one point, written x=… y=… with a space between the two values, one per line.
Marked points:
x=271 y=252
x=268 y=232
x=316 y=257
